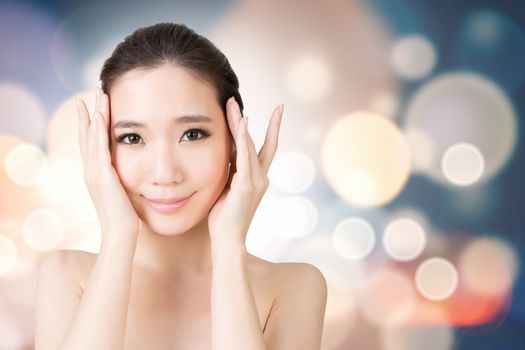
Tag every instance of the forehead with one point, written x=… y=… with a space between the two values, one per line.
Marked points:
x=165 y=91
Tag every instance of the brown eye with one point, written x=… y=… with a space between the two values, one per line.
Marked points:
x=192 y=134
x=132 y=139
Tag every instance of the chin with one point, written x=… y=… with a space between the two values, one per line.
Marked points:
x=167 y=227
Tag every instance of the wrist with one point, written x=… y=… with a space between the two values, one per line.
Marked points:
x=228 y=246
x=118 y=240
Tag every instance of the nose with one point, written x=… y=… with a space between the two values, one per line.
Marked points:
x=166 y=169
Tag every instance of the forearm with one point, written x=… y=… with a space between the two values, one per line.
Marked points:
x=234 y=319
x=100 y=321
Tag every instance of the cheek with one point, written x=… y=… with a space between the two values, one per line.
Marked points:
x=212 y=167
x=127 y=168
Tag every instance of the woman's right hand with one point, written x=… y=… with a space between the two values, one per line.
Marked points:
x=114 y=209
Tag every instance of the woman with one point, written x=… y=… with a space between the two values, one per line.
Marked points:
x=175 y=179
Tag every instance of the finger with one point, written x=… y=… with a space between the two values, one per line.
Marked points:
x=243 y=156
x=106 y=114
x=236 y=117
x=102 y=150
x=232 y=171
x=91 y=137
x=271 y=140
x=233 y=117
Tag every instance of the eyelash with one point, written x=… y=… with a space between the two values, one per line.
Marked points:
x=200 y=129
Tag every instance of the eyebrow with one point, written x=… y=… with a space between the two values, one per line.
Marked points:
x=180 y=120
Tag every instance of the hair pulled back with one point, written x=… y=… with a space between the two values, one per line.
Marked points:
x=173 y=43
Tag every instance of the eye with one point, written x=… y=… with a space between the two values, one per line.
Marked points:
x=132 y=138
x=193 y=132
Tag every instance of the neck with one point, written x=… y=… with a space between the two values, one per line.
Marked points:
x=184 y=254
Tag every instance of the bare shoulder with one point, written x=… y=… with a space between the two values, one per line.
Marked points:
x=76 y=264
x=290 y=276
x=58 y=295
x=300 y=295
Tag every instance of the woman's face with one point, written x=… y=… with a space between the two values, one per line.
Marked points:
x=163 y=158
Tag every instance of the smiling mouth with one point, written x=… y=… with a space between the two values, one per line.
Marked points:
x=167 y=201
x=167 y=205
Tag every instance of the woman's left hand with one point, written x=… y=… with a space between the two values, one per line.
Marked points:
x=248 y=181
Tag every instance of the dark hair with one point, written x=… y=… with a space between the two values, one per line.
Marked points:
x=162 y=43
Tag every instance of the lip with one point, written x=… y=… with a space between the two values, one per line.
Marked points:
x=167 y=205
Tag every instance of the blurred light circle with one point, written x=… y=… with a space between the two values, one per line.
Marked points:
x=466 y=108
x=413 y=57
x=404 y=239
x=436 y=279
x=385 y=103
x=488 y=266
x=8 y=254
x=291 y=217
x=354 y=238
x=22 y=112
x=309 y=77
x=417 y=337
x=387 y=298
x=43 y=229
x=462 y=164
x=15 y=201
x=494 y=44
x=422 y=148
x=366 y=159
x=26 y=165
x=414 y=214
x=292 y=172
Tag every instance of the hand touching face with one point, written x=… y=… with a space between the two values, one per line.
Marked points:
x=231 y=216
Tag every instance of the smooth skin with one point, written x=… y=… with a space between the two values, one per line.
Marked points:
x=183 y=280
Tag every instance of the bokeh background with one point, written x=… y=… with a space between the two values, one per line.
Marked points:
x=399 y=170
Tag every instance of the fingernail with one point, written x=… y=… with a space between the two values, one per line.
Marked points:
x=237 y=107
